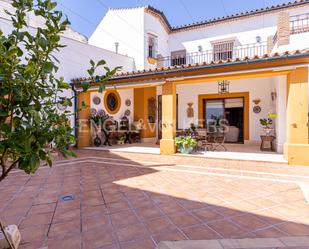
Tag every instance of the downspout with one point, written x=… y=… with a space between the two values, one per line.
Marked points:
x=75 y=113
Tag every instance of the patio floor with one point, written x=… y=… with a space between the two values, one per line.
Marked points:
x=234 y=151
x=133 y=201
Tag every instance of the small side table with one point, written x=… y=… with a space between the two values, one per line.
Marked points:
x=267 y=139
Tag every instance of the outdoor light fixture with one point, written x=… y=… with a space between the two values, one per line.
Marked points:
x=223 y=86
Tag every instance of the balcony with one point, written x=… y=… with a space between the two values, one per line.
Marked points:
x=208 y=56
x=299 y=23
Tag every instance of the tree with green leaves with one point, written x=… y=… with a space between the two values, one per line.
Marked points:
x=31 y=126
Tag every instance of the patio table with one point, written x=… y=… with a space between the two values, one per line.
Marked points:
x=125 y=132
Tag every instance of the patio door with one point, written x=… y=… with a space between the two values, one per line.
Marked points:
x=228 y=112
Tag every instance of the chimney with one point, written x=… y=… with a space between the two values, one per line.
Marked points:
x=283 y=29
x=116 y=47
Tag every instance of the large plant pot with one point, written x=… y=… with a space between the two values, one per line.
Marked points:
x=97 y=141
x=185 y=149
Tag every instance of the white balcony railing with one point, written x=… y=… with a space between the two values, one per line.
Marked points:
x=208 y=56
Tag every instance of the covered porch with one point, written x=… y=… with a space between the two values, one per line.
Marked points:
x=170 y=100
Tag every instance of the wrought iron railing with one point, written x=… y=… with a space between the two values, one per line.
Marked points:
x=208 y=56
x=299 y=23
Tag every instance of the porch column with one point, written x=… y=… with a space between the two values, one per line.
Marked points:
x=167 y=143
x=296 y=148
x=83 y=130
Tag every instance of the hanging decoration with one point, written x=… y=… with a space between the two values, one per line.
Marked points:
x=223 y=86
x=190 y=110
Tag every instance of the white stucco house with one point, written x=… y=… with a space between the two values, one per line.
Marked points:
x=238 y=68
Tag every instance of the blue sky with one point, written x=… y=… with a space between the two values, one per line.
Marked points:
x=86 y=14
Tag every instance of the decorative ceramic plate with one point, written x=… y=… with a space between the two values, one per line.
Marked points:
x=128 y=102
x=257 y=109
x=61 y=107
x=127 y=113
x=96 y=100
x=93 y=112
x=101 y=113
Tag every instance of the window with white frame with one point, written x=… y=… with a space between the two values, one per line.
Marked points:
x=152 y=46
x=223 y=50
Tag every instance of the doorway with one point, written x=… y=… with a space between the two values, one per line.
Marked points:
x=225 y=115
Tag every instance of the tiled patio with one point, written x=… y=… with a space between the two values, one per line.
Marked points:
x=125 y=200
x=234 y=151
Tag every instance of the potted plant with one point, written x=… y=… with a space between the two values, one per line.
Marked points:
x=185 y=144
x=268 y=122
x=121 y=139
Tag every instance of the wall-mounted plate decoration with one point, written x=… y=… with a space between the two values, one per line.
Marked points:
x=102 y=113
x=96 y=100
x=61 y=107
x=128 y=102
x=127 y=112
x=257 y=109
x=93 y=112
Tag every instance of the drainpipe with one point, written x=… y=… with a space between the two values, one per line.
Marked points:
x=75 y=112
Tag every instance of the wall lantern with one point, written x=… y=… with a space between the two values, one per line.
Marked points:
x=223 y=86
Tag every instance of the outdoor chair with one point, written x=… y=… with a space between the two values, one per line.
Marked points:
x=213 y=142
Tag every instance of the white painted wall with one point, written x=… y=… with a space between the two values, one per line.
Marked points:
x=279 y=87
x=124 y=95
x=153 y=26
x=125 y=26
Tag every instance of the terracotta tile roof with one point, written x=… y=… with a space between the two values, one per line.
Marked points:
x=241 y=14
x=227 y=62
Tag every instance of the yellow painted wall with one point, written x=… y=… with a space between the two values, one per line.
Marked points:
x=141 y=96
x=83 y=131
x=167 y=143
x=296 y=148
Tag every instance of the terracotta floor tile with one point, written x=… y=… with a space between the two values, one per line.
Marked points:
x=183 y=219
x=159 y=225
x=37 y=219
x=148 y=212
x=36 y=233
x=98 y=238
x=226 y=228
x=95 y=222
x=294 y=229
x=271 y=232
x=170 y=236
x=43 y=208
x=124 y=218
x=249 y=222
x=140 y=244
x=64 y=229
x=66 y=215
x=93 y=211
x=200 y=232
x=170 y=207
x=65 y=243
x=135 y=231
x=118 y=206
x=207 y=215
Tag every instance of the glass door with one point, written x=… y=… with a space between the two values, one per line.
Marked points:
x=225 y=115
x=214 y=112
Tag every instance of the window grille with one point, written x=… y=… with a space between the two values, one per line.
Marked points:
x=223 y=50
